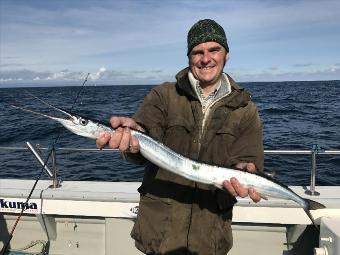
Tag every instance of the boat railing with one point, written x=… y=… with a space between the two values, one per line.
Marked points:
x=36 y=151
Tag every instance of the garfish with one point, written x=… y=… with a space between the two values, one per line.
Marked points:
x=164 y=157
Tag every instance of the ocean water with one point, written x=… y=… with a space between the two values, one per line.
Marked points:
x=295 y=115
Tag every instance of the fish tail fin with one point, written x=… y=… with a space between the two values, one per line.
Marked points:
x=313 y=205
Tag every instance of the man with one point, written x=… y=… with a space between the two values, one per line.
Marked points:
x=205 y=116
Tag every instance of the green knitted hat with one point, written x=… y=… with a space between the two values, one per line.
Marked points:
x=206 y=30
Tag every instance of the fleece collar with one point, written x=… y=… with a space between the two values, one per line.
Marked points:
x=237 y=98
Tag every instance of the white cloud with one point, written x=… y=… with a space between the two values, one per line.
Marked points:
x=155 y=76
x=334 y=68
x=303 y=65
x=132 y=38
x=98 y=74
x=10 y=79
x=101 y=76
x=330 y=72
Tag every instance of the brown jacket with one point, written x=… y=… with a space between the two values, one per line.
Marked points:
x=178 y=216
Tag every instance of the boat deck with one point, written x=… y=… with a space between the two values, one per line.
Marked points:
x=96 y=218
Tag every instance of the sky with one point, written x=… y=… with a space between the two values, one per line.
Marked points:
x=57 y=42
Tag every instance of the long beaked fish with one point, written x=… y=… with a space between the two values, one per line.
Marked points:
x=166 y=158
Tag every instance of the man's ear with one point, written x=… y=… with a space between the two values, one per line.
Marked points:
x=189 y=59
x=226 y=57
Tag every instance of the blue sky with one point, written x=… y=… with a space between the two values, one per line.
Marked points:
x=144 y=42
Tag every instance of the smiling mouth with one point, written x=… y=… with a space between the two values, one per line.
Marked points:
x=206 y=67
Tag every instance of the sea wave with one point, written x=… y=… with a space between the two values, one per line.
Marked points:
x=295 y=115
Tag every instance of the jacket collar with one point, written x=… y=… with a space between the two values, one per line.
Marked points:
x=238 y=97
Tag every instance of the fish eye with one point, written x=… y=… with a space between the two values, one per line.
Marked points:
x=83 y=122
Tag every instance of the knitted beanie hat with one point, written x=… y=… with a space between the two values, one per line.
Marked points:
x=206 y=30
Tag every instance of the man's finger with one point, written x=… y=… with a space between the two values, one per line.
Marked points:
x=239 y=189
x=125 y=141
x=254 y=195
x=115 y=121
x=227 y=185
x=102 y=140
x=116 y=137
x=128 y=122
x=134 y=145
x=251 y=167
x=241 y=165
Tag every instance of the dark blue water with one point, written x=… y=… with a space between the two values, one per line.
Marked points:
x=295 y=115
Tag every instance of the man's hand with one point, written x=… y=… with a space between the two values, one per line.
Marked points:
x=236 y=189
x=121 y=138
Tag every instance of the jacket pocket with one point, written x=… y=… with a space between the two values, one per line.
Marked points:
x=227 y=129
x=177 y=135
x=152 y=224
x=221 y=145
x=180 y=123
x=223 y=236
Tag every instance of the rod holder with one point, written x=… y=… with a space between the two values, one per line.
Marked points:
x=315 y=150
x=56 y=181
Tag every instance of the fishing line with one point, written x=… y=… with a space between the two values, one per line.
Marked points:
x=5 y=247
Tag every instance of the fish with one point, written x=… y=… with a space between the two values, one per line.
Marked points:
x=166 y=158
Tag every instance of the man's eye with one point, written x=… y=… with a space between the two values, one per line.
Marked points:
x=215 y=50
x=197 y=53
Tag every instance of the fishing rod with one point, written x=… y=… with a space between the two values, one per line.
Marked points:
x=6 y=245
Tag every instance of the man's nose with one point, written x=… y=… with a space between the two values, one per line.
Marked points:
x=206 y=58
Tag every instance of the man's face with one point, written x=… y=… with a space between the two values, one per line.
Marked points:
x=206 y=62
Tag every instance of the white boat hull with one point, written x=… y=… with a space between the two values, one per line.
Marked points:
x=96 y=218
